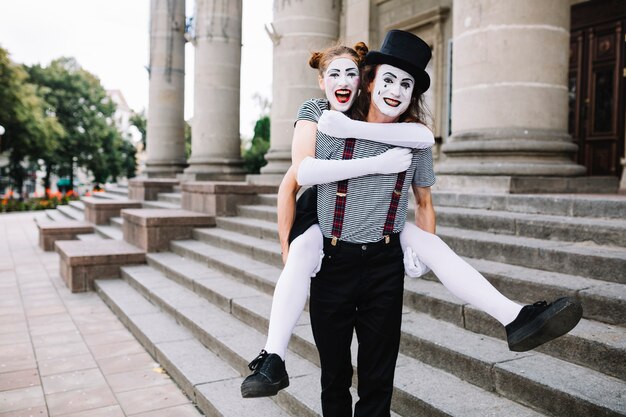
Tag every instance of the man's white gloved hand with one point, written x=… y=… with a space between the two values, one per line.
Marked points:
x=392 y=160
x=323 y=171
x=335 y=123
x=413 y=267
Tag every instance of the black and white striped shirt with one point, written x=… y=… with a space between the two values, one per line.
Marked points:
x=368 y=197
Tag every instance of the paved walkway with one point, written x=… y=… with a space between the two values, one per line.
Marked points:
x=64 y=354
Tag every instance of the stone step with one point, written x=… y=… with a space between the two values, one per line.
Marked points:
x=611 y=206
x=607 y=342
x=117 y=222
x=121 y=191
x=89 y=237
x=573 y=205
x=214 y=385
x=541 y=226
x=602 y=300
x=226 y=330
x=109 y=232
x=105 y=195
x=160 y=205
x=175 y=198
x=55 y=215
x=550 y=227
x=588 y=260
x=78 y=205
x=424 y=296
x=71 y=213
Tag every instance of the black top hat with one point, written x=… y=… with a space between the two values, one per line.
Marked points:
x=406 y=51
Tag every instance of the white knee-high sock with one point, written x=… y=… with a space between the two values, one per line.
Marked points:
x=457 y=275
x=292 y=289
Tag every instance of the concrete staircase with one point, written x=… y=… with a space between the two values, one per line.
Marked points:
x=75 y=211
x=202 y=310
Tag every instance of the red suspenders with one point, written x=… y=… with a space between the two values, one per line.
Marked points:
x=342 y=192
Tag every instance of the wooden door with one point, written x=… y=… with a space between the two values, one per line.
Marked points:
x=597 y=85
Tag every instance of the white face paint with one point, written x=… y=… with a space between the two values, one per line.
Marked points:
x=392 y=90
x=341 y=83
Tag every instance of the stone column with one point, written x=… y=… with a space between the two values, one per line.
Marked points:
x=510 y=95
x=215 y=145
x=299 y=27
x=165 y=130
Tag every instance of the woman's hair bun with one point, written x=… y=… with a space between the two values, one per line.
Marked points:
x=314 y=61
x=361 y=50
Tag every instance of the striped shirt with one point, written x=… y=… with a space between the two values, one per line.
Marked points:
x=368 y=197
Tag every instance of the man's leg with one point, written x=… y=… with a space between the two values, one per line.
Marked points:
x=378 y=329
x=332 y=310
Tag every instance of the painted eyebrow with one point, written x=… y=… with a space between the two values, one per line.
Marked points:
x=388 y=73
x=407 y=79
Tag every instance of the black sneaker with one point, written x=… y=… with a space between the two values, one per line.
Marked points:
x=268 y=377
x=541 y=322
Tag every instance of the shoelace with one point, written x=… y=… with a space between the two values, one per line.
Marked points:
x=255 y=362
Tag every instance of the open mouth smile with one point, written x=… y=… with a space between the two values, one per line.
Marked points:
x=343 y=96
x=391 y=102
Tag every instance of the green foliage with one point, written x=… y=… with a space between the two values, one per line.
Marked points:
x=8 y=204
x=187 y=134
x=32 y=133
x=140 y=121
x=254 y=156
x=82 y=107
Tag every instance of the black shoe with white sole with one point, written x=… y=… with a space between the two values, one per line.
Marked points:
x=268 y=377
x=541 y=322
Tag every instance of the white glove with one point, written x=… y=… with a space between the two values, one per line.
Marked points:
x=335 y=123
x=410 y=135
x=319 y=264
x=313 y=171
x=413 y=267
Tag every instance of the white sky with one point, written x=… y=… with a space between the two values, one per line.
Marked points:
x=110 y=39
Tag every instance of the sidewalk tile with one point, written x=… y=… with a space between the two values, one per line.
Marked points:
x=57 y=338
x=40 y=411
x=19 y=379
x=17 y=363
x=101 y=327
x=17 y=399
x=11 y=338
x=143 y=378
x=61 y=351
x=71 y=381
x=66 y=364
x=154 y=398
x=110 y=337
x=187 y=410
x=79 y=400
x=110 y=411
x=124 y=363
x=116 y=349
x=44 y=329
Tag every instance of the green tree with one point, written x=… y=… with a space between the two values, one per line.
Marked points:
x=82 y=107
x=140 y=122
x=254 y=156
x=32 y=133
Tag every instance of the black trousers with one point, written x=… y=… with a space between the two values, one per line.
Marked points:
x=359 y=287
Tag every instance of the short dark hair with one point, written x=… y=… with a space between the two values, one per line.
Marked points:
x=414 y=114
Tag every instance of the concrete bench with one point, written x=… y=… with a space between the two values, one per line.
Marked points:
x=50 y=232
x=83 y=262
x=148 y=189
x=153 y=229
x=100 y=211
x=217 y=198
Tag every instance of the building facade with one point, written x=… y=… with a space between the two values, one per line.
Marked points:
x=526 y=96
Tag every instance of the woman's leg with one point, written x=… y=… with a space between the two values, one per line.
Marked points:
x=292 y=289
x=457 y=275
